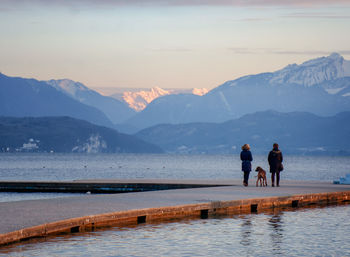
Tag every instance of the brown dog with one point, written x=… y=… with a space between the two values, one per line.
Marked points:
x=261 y=177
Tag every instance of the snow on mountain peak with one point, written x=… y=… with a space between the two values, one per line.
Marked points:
x=335 y=56
x=139 y=100
x=313 y=71
x=67 y=86
x=199 y=91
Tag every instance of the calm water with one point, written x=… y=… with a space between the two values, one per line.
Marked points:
x=65 y=167
x=305 y=232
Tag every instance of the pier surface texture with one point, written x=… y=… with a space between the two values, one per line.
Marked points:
x=37 y=218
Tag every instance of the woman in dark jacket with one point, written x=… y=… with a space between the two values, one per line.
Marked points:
x=246 y=157
x=275 y=161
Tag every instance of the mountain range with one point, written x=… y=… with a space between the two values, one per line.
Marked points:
x=320 y=86
x=296 y=132
x=33 y=98
x=65 y=134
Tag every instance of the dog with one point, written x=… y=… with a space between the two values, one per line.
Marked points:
x=261 y=177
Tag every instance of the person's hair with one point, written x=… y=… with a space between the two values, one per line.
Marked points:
x=246 y=147
x=275 y=145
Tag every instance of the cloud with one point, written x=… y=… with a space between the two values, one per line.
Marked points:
x=310 y=52
x=179 y=49
x=306 y=15
x=233 y=3
x=241 y=50
x=254 y=20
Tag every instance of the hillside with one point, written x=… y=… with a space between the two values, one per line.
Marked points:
x=65 y=134
x=21 y=97
x=296 y=132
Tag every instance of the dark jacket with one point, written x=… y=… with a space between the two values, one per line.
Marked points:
x=246 y=157
x=275 y=160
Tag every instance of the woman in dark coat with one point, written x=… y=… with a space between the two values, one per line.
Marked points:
x=275 y=161
x=246 y=157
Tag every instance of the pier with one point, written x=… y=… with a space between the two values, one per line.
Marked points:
x=198 y=199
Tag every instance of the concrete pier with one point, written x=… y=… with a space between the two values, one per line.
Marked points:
x=38 y=218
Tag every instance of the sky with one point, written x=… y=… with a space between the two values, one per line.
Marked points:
x=166 y=43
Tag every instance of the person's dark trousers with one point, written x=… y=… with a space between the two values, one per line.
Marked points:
x=277 y=178
x=246 y=177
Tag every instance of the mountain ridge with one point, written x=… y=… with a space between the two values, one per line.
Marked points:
x=66 y=134
x=320 y=86
x=296 y=132
x=115 y=110
x=29 y=97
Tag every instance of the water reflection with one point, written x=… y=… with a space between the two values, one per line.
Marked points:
x=276 y=232
x=246 y=231
x=254 y=231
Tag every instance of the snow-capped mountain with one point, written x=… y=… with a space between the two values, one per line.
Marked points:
x=307 y=74
x=331 y=73
x=313 y=72
x=320 y=86
x=138 y=100
x=115 y=110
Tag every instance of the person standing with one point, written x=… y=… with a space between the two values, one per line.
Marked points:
x=246 y=158
x=275 y=159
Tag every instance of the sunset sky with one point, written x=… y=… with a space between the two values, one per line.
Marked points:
x=166 y=43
